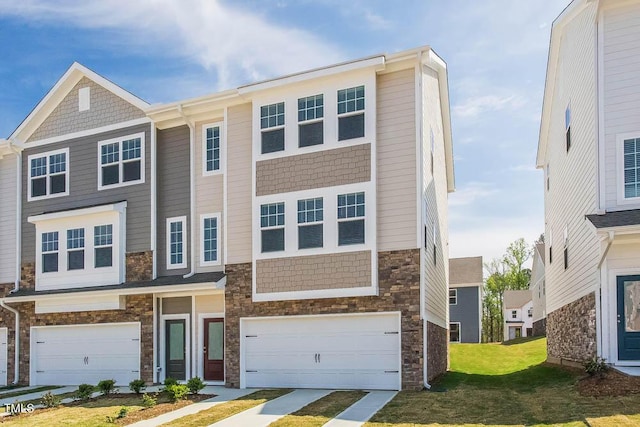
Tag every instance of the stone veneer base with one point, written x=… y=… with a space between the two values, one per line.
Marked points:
x=437 y=351
x=540 y=328
x=571 y=331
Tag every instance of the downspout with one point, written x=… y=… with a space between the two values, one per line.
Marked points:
x=154 y=203
x=192 y=187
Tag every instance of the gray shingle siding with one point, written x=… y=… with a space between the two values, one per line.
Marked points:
x=467 y=312
x=83 y=189
x=173 y=190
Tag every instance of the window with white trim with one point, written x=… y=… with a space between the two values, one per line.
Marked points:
x=272 y=227
x=566 y=247
x=550 y=245
x=48 y=174
x=433 y=148
x=310 y=223
x=351 y=104
x=530 y=312
x=272 y=127
x=548 y=174
x=103 y=245
x=210 y=253
x=310 y=120
x=631 y=167
x=567 y=126
x=514 y=314
x=351 y=213
x=75 y=249
x=454 y=332
x=453 y=297
x=50 y=252
x=176 y=246
x=212 y=138
x=121 y=161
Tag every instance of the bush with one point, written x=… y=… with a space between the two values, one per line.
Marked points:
x=121 y=414
x=84 y=391
x=106 y=386
x=596 y=366
x=149 y=401
x=170 y=381
x=50 y=400
x=177 y=391
x=137 y=386
x=195 y=384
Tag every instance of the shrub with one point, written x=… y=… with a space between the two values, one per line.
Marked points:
x=106 y=386
x=50 y=400
x=137 y=386
x=84 y=391
x=170 y=381
x=177 y=391
x=149 y=401
x=121 y=414
x=195 y=384
x=596 y=366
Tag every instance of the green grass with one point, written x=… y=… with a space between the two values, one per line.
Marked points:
x=506 y=385
x=320 y=412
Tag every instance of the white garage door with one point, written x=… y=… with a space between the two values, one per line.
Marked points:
x=70 y=355
x=341 y=351
x=3 y=356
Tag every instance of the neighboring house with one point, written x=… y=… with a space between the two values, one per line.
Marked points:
x=274 y=235
x=588 y=148
x=465 y=299
x=538 y=291
x=518 y=314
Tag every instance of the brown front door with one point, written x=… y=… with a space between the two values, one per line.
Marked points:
x=213 y=349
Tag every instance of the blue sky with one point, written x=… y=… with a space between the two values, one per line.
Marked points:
x=165 y=50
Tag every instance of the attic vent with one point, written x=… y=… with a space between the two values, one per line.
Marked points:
x=84 y=96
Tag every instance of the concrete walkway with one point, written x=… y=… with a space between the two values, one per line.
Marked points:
x=222 y=395
x=361 y=411
x=265 y=414
x=22 y=389
x=37 y=395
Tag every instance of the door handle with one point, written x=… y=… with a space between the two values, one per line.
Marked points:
x=315 y=357
x=318 y=357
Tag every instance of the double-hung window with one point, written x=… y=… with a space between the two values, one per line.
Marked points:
x=631 y=167
x=75 y=249
x=454 y=332
x=567 y=126
x=212 y=137
x=50 y=252
x=272 y=127
x=176 y=247
x=351 y=218
x=310 y=123
x=103 y=245
x=566 y=247
x=514 y=314
x=530 y=312
x=351 y=113
x=453 y=297
x=310 y=220
x=272 y=227
x=49 y=174
x=121 y=161
x=210 y=254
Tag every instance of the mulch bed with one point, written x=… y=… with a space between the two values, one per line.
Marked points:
x=612 y=383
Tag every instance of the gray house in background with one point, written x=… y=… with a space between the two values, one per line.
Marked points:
x=465 y=299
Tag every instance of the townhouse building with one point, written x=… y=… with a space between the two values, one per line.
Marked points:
x=286 y=233
x=587 y=149
x=518 y=314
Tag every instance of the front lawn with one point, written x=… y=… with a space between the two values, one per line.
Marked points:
x=506 y=385
x=320 y=412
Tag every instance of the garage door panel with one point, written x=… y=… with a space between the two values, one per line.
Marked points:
x=3 y=355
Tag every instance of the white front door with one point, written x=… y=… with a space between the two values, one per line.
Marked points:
x=71 y=355
x=326 y=351
x=3 y=355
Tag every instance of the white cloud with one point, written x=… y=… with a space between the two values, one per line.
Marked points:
x=475 y=106
x=237 y=44
x=472 y=192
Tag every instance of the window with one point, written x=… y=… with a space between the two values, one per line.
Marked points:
x=272 y=227
x=566 y=248
x=350 y=219
x=310 y=218
x=548 y=171
x=210 y=253
x=272 y=126
x=48 y=174
x=567 y=126
x=176 y=247
x=544 y=288
x=631 y=168
x=435 y=247
x=351 y=113
x=433 y=147
x=212 y=137
x=75 y=249
x=530 y=312
x=50 y=252
x=514 y=314
x=454 y=332
x=550 y=246
x=310 y=123
x=103 y=245
x=453 y=297
x=121 y=161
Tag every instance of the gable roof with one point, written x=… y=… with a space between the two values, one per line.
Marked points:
x=615 y=219
x=60 y=90
x=465 y=271
x=516 y=299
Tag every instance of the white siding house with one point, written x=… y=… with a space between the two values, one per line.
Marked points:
x=518 y=314
x=538 y=290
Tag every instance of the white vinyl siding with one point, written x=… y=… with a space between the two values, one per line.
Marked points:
x=8 y=219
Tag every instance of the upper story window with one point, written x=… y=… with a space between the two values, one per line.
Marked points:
x=272 y=227
x=567 y=126
x=550 y=245
x=103 y=245
x=212 y=146
x=351 y=214
x=351 y=113
x=631 y=167
x=272 y=127
x=310 y=223
x=310 y=123
x=50 y=252
x=432 y=140
x=48 y=174
x=75 y=249
x=530 y=312
x=453 y=296
x=176 y=247
x=121 y=161
x=548 y=174
x=566 y=247
x=514 y=314
x=210 y=253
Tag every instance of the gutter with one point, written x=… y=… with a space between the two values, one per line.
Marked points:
x=192 y=187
